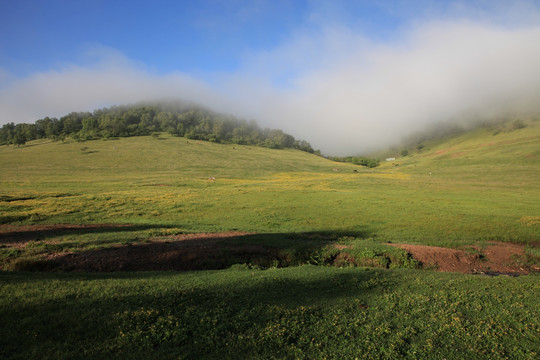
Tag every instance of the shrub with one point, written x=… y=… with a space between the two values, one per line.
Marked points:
x=518 y=124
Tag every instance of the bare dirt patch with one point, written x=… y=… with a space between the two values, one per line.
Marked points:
x=495 y=258
x=444 y=151
x=201 y=251
x=176 y=252
x=459 y=154
x=341 y=246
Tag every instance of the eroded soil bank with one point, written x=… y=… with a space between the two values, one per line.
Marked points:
x=495 y=258
x=202 y=251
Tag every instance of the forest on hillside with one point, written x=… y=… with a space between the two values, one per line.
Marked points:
x=179 y=119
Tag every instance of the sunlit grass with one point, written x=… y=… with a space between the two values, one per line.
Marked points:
x=457 y=192
x=431 y=197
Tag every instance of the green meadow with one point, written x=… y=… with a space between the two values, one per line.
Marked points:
x=455 y=192
x=306 y=312
x=476 y=187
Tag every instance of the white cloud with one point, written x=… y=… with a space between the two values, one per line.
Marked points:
x=377 y=94
x=111 y=79
x=333 y=87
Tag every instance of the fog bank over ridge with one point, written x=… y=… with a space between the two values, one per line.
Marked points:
x=336 y=88
x=443 y=71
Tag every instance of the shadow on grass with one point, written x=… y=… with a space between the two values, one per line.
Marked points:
x=10 y=234
x=232 y=314
x=187 y=252
x=6 y=198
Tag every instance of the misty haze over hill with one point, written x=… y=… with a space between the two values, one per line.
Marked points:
x=344 y=91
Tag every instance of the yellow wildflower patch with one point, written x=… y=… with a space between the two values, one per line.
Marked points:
x=530 y=220
x=394 y=176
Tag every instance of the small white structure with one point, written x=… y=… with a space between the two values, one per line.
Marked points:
x=390 y=159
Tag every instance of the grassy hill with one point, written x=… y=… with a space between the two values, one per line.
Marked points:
x=490 y=150
x=477 y=186
x=60 y=200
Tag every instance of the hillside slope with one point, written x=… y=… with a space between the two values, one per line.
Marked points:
x=474 y=187
x=485 y=151
x=145 y=156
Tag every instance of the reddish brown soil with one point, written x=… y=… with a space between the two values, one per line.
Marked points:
x=174 y=252
x=220 y=250
x=444 y=151
x=341 y=246
x=459 y=154
x=496 y=258
x=179 y=252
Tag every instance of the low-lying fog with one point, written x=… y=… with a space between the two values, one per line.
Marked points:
x=342 y=91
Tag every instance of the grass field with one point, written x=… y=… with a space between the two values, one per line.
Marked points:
x=489 y=194
x=305 y=312
x=456 y=192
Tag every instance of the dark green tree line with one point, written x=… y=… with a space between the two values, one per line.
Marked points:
x=180 y=119
x=357 y=160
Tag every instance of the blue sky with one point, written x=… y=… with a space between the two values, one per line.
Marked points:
x=165 y=35
x=191 y=36
x=303 y=66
